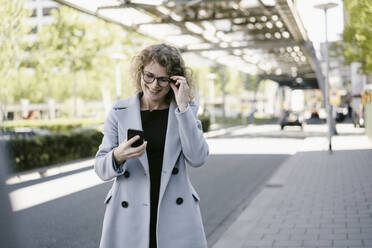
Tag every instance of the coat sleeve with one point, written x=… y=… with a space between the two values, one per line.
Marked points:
x=104 y=165
x=193 y=143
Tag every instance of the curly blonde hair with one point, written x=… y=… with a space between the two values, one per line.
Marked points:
x=166 y=56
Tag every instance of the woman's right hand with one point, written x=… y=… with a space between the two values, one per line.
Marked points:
x=125 y=150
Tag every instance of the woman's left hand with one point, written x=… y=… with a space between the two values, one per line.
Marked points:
x=181 y=92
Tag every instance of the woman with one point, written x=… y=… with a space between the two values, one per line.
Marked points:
x=152 y=202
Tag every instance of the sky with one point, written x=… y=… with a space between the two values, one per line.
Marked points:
x=314 y=22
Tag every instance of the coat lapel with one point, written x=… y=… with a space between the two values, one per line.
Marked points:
x=172 y=149
x=130 y=118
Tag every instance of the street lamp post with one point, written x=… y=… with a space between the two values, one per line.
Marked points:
x=211 y=78
x=117 y=57
x=325 y=8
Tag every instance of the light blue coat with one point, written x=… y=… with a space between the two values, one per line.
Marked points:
x=179 y=225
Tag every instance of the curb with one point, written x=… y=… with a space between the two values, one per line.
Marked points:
x=221 y=131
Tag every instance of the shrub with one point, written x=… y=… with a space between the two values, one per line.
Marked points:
x=42 y=150
x=206 y=122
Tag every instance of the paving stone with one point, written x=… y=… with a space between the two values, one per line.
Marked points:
x=293 y=231
x=276 y=237
x=304 y=237
x=332 y=236
x=320 y=243
x=287 y=243
x=347 y=230
x=347 y=242
x=360 y=236
x=258 y=243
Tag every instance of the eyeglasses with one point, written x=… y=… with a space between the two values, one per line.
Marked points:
x=148 y=77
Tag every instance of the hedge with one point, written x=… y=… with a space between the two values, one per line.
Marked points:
x=31 y=152
x=57 y=125
x=206 y=122
x=42 y=150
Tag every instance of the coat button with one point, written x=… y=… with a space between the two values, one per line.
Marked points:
x=124 y=204
x=175 y=171
x=179 y=201
x=126 y=174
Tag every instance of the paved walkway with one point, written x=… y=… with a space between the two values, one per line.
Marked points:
x=316 y=199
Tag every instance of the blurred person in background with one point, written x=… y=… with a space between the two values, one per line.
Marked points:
x=152 y=202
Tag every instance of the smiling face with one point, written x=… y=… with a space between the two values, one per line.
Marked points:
x=153 y=93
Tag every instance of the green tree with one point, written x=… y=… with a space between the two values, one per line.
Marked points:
x=73 y=55
x=13 y=34
x=68 y=43
x=357 y=36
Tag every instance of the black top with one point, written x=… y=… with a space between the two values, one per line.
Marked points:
x=154 y=124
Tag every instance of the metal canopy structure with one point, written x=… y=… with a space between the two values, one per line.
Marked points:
x=261 y=37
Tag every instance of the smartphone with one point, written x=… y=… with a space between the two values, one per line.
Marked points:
x=134 y=132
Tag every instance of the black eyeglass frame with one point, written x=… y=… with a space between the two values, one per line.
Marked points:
x=158 y=79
